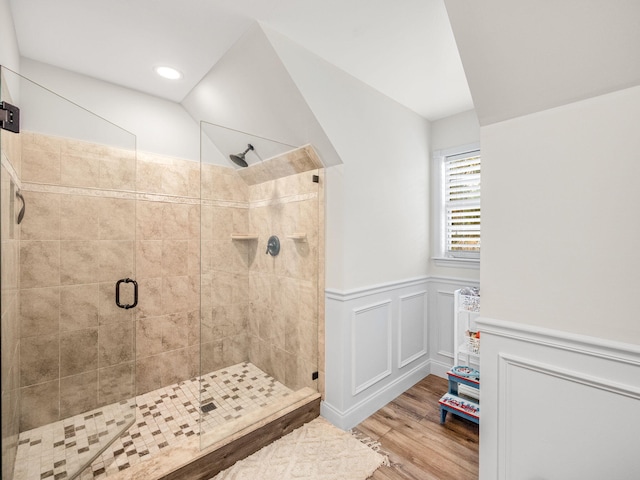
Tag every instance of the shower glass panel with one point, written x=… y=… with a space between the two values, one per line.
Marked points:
x=68 y=351
x=260 y=304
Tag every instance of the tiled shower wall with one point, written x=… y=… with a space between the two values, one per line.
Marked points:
x=77 y=239
x=77 y=346
x=225 y=264
x=283 y=325
x=94 y=213
x=255 y=306
x=168 y=271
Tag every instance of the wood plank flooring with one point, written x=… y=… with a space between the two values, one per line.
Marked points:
x=419 y=447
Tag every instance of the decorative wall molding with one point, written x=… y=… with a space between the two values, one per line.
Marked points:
x=506 y=362
x=363 y=372
x=410 y=325
x=545 y=393
x=370 y=331
x=346 y=295
x=445 y=345
x=367 y=362
x=592 y=346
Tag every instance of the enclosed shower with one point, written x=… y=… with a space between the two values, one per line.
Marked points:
x=141 y=308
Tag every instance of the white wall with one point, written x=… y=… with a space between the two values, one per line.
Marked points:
x=557 y=95
x=383 y=189
x=161 y=126
x=519 y=58
x=450 y=132
x=251 y=96
x=456 y=130
x=560 y=209
x=9 y=54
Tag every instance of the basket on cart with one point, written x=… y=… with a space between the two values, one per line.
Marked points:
x=473 y=342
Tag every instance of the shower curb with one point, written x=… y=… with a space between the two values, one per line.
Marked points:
x=213 y=461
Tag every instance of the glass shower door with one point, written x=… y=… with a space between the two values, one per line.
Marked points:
x=68 y=283
x=262 y=260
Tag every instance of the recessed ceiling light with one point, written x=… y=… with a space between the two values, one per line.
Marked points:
x=168 y=72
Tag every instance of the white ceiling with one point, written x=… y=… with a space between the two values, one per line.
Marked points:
x=527 y=56
x=406 y=50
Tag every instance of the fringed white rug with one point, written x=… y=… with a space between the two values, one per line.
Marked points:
x=317 y=451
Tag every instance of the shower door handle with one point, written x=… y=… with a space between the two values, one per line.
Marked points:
x=135 y=293
x=24 y=205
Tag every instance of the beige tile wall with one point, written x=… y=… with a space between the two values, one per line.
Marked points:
x=168 y=272
x=81 y=235
x=225 y=268
x=77 y=240
x=78 y=348
x=284 y=290
x=259 y=307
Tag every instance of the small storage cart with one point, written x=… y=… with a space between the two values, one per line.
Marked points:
x=463 y=396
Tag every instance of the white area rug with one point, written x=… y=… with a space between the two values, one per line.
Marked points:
x=315 y=451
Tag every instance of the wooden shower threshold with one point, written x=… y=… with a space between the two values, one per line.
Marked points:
x=229 y=444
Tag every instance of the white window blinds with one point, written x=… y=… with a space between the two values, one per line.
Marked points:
x=462 y=205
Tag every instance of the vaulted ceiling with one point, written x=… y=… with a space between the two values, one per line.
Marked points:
x=405 y=50
x=525 y=56
x=519 y=57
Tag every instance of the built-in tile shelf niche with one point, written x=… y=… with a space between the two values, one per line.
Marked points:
x=296 y=237
x=244 y=236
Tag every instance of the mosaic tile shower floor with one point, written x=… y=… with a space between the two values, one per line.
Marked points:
x=163 y=418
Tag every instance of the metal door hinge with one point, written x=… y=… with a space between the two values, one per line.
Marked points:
x=9 y=117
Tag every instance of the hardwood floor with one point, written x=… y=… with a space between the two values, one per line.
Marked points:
x=419 y=447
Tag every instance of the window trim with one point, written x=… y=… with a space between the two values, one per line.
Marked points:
x=438 y=214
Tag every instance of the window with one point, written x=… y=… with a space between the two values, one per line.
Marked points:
x=457 y=226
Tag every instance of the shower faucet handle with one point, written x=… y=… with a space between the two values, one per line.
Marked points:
x=273 y=246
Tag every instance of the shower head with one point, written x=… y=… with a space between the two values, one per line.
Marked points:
x=238 y=159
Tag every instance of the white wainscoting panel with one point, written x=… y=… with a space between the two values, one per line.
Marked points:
x=557 y=405
x=412 y=331
x=370 y=332
x=383 y=339
x=444 y=327
x=376 y=348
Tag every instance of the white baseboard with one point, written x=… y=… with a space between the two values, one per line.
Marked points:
x=371 y=404
x=439 y=368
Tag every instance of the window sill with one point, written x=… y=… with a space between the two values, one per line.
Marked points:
x=457 y=262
